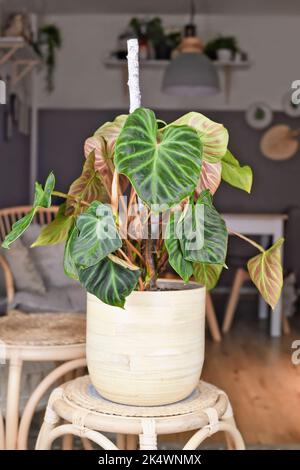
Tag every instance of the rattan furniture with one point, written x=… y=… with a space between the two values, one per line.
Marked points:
x=88 y=415
x=7 y=218
x=36 y=337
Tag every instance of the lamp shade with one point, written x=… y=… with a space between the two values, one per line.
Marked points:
x=191 y=74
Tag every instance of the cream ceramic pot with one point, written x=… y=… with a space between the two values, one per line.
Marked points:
x=152 y=352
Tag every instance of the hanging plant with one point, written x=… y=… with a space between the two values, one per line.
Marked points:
x=49 y=40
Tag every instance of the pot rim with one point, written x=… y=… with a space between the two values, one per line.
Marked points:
x=191 y=286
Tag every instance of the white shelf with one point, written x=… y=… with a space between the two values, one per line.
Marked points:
x=20 y=54
x=111 y=62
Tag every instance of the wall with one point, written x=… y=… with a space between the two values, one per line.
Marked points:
x=83 y=82
x=14 y=168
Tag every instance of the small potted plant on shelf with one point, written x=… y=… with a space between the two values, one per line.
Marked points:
x=222 y=48
x=145 y=335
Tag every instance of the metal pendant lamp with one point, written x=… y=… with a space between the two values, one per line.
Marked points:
x=191 y=73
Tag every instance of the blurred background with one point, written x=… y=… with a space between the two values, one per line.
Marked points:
x=63 y=64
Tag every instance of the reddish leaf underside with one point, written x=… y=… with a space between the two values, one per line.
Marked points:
x=210 y=177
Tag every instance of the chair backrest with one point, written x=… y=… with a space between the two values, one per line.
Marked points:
x=10 y=215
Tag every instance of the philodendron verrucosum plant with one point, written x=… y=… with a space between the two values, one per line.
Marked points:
x=145 y=199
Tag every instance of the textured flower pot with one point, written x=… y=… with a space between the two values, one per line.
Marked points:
x=152 y=352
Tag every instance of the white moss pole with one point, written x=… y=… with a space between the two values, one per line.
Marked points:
x=133 y=74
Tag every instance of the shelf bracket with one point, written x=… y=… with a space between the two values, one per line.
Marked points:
x=20 y=68
x=8 y=55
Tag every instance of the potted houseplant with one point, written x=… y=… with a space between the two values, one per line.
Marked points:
x=222 y=48
x=145 y=335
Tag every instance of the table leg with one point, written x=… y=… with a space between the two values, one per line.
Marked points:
x=12 y=402
x=276 y=320
x=263 y=309
x=276 y=315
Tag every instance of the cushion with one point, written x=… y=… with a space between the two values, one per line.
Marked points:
x=54 y=300
x=48 y=259
x=24 y=270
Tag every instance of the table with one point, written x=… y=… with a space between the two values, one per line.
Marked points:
x=36 y=337
x=265 y=225
x=207 y=410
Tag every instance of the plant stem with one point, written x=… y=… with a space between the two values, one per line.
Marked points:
x=150 y=259
x=69 y=196
x=243 y=237
x=135 y=250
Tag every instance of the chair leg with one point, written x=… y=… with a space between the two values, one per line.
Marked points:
x=211 y=319
x=240 y=277
x=285 y=325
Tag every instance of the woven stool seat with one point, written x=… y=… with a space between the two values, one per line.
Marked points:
x=81 y=392
x=42 y=329
x=207 y=410
x=38 y=340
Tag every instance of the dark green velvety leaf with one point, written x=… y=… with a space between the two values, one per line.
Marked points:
x=57 y=231
x=110 y=281
x=236 y=175
x=70 y=267
x=202 y=232
x=163 y=166
x=42 y=198
x=98 y=235
x=207 y=274
x=183 y=267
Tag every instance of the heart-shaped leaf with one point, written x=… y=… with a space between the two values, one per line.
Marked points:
x=70 y=267
x=183 y=267
x=88 y=187
x=110 y=132
x=163 y=167
x=238 y=176
x=210 y=177
x=102 y=162
x=42 y=198
x=57 y=231
x=97 y=237
x=110 y=281
x=214 y=136
x=265 y=270
x=207 y=274
x=202 y=232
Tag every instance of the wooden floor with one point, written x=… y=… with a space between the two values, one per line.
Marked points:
x=257 y=373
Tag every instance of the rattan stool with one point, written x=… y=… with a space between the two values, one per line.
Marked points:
x=36 y=337
x=88 y=415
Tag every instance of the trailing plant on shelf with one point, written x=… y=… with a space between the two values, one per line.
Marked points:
x=170 y=173
x=49 y=40
x=222 y=42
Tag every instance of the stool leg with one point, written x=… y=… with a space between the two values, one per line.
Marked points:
x=12 y=406
x=239 y=279
x=51 y=419
x=148 y=439
x=211 y=319
x=37 y=394
x=233 y=441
